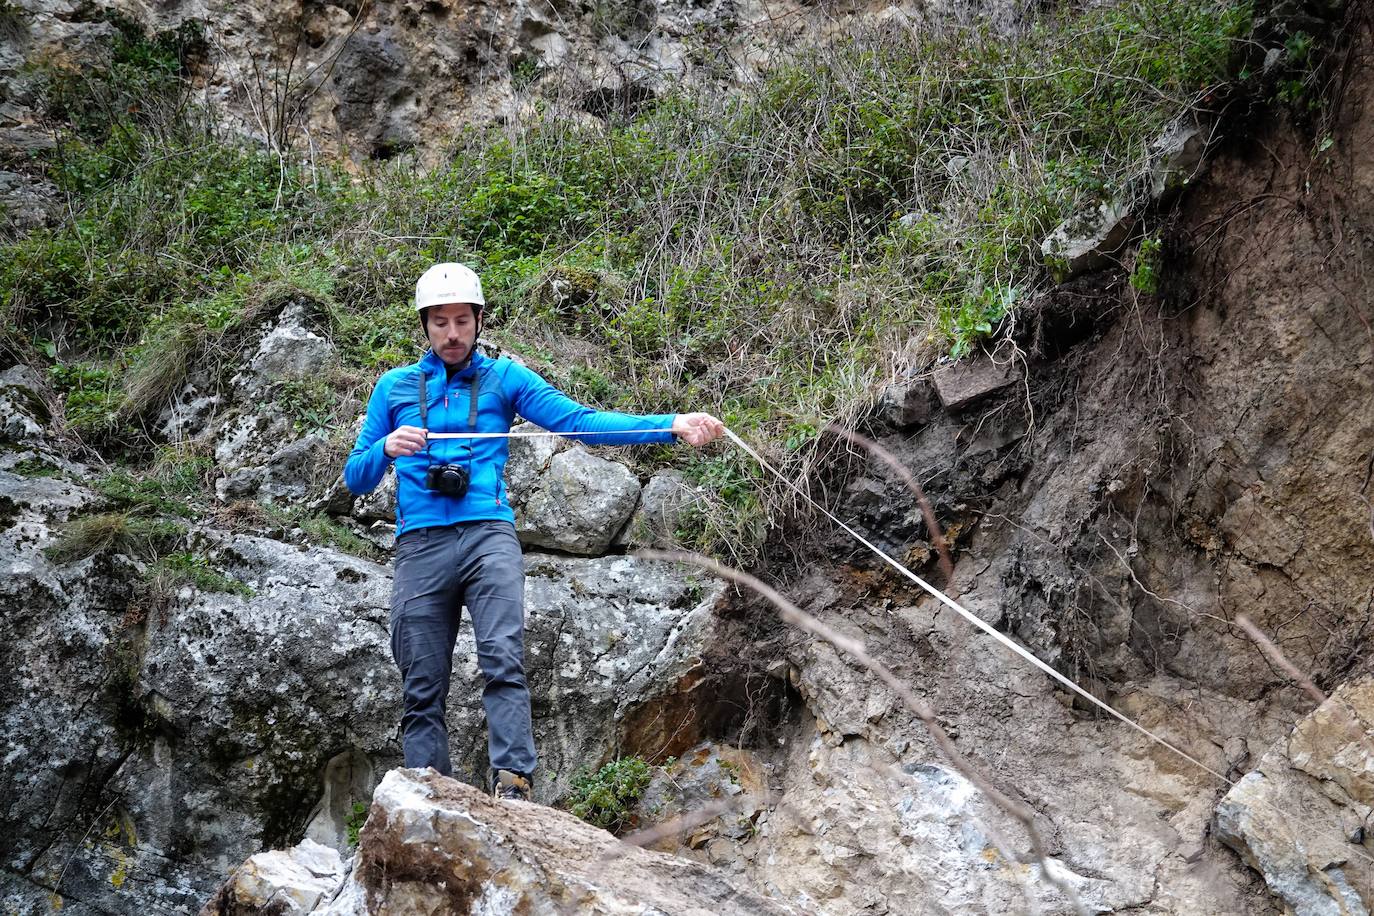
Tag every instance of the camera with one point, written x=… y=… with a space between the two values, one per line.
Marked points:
x=448 y=479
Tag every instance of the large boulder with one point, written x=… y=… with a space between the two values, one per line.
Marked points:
x=579 y=504
x=433 y=845
x=1301 y=817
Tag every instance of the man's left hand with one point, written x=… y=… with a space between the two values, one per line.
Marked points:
x=697 y=428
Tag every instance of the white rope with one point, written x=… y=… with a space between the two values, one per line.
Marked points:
x=949 y=602
x=978 y=621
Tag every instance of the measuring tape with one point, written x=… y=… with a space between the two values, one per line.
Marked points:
x=541 y=432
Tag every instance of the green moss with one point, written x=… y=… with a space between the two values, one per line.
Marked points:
x=35 y=467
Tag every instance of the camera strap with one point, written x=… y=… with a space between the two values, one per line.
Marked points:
x=474 y=390
x=424 y=407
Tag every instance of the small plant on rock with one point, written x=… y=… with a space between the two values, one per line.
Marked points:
x=354 y=824
x=607 y=797
x=1145 y=276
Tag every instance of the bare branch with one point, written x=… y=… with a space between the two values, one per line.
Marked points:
x=1277 y=657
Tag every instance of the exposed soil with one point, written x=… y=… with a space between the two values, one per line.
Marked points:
x=1165 y=463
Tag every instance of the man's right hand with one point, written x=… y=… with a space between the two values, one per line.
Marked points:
x=406 y=440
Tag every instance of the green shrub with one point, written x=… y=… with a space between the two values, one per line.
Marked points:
x=1148 y=262
x=606 y=798
x=35 y=467
x=120 y=532
x=356 y=819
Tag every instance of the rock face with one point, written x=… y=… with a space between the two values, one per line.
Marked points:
x=187 y=733
x=434 y=845
x=1300 y=817
x=1117 y=537
x=181 y=734
x=374 y=80
x=578 y=505
x=662 y=503
x=603 y=636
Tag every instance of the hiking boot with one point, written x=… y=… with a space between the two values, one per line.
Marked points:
x=506 y=784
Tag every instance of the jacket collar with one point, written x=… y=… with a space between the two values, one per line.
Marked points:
x=434 y=367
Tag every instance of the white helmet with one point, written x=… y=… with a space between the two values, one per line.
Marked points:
x=444 y=284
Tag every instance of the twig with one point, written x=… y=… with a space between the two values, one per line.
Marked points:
x=1277 y=657
x=686 y=821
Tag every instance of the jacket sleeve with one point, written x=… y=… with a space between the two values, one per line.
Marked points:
x=539 y=402
x=368 y=461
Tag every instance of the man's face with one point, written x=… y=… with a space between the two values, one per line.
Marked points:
x=452 y=332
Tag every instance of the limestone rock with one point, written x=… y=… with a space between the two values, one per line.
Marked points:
x=380 y=504
x=26 y=202
x=1087 y=241
x=288 y=351
x=1299 y=817
x=661 y=504
x=579 y=504
x=187 y=734
x=187 y=415
x=263 y=459
x=432 y=842
x=603 y=638
x=24 y=413
x=528 y=462
x=284 y=883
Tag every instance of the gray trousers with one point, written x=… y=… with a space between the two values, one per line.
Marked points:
x=438 y=571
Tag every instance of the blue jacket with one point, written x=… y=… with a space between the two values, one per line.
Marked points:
x=506 y=389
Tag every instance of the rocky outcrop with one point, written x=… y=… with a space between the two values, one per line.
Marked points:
x=372 y=81
x=431 y=844
x=189 y=729
x=1301 y=817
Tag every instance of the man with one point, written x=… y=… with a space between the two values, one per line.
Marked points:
x=455 y=531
